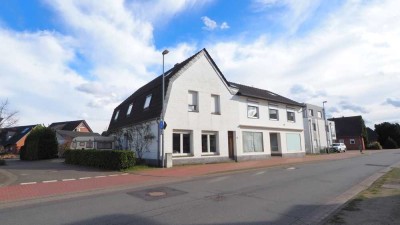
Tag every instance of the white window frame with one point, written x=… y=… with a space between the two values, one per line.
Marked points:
x=181 y=133
x=148 y=101
x=352 y=141
x=215 y=105
x=193 y=104
x=291 y=110
x=273 y=107
x=129 y=109
x=262 y=142
x=319 y=114
x=255 y=105
x=116 y=115
x=208 y=134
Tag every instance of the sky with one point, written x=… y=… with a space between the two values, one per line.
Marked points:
x=78 y=59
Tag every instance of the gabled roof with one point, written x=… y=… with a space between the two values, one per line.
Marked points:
x=68 y=125
x=138 y=98
x=154 y=88
x=348 y=126
x=263 y=94
x=11 y=135
x=73 y=134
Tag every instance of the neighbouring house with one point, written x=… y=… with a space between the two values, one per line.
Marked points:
x=93 y=142
x=76 y=125
x=350 y=131
x=209 y=119
x=319 y=133
x=13 y=138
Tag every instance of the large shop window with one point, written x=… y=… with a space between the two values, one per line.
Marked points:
x=209 y=143
x=293 y=142
x=181 y=143
x=252 y=142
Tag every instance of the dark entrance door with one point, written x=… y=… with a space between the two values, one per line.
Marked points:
x=230 y=144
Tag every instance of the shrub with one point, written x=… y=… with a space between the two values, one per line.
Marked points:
x=41 y=143
x=2 y=162
x=105 y=159
x=374 y=145
x=390 y=144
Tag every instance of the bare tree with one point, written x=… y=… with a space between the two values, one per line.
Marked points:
x=7 y=118
x=139 y=137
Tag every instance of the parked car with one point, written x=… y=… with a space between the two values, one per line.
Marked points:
x=338 y=147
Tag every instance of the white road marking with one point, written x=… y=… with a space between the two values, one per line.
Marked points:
x=218 y=179
x=68 y=179
x=84 y=178
x=49 y=181
x=99 y=176
x=113 y=175
x=124 y=174
x=27 y=183
x=259 y=173
x=291 y=168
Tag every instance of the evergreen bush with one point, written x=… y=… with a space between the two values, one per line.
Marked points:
x=41 y=143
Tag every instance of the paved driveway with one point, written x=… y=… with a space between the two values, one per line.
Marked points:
x=23 y=172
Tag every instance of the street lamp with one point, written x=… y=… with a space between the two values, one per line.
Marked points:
x=326 y=132
x=162 y=123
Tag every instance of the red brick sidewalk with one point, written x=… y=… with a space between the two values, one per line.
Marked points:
x=39 y=190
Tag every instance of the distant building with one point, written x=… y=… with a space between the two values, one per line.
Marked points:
x=13 y=138
x=349 y=131
x=76 y=125
x=316 y=133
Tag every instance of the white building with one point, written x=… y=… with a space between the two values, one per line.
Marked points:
x=210 y=119
x=318 y=133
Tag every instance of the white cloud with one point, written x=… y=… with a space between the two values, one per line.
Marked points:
x=351 y=61
x=224 y=26
x=209 y=24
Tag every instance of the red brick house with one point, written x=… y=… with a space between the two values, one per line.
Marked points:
x=13 y=138
x=349 y=130
x=76 y=125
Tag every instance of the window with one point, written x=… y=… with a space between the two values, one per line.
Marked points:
x=319 y=114
x=352 y=141
x=181 y=142
x=252 y=142
x=293 y=142
x=274 y=142
x=25 y=130
x=209 y=142
x=89 y=144
x=147 y=102
x=311 y=112
x=116 y=115
x=104 y=145
x=314 y=127
x=193 y=101
x=273 y=112
x=341 y=140
x=252 y=111
x=215 y=108
x=290 y=115
x=129 y=109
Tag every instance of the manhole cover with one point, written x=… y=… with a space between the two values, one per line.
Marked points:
x=156 y=193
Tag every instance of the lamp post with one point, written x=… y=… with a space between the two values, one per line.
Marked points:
x=326 y=132
x=162 y=111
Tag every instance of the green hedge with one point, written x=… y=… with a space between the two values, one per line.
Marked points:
x=105 y=159
x=41 y=143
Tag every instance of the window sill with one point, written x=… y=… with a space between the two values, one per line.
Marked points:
x=218 y=114
x=193 y=111
x=209 y=154
x=181 y=155
x=253 y=117
x=274 y=119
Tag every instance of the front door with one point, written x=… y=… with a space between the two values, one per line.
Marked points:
x=230 y=145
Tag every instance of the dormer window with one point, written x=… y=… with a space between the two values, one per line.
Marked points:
x=147 y=102
x=116 y=115
x=129 y=109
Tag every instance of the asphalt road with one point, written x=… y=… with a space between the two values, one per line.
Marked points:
x=280 y=195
